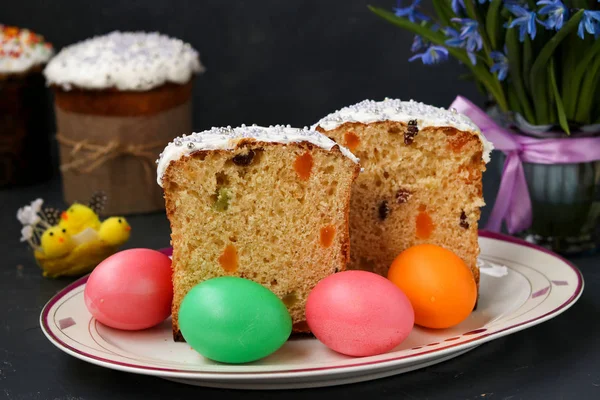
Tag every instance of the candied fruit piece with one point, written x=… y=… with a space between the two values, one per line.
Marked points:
x=290 y=299
x=458 y=141
x=327 y=235
x=229 y=258
x=243 y=159
x=222 y=200
x=351 y=140
x=383 y=210
x=463 y=220
x=424 y=225
x=303 y=165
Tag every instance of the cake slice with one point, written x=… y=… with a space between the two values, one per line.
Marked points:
x=421 y=181
x=266 y=204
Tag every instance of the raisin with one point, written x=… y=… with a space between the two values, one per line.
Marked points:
x=411 y=132
x=463 y=220
x=383 y=210
x=243 y=159
x=402 y=196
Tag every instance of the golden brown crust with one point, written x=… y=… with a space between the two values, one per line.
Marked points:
x=113 y=102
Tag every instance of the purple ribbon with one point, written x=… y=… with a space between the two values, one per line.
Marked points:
x=513 y=204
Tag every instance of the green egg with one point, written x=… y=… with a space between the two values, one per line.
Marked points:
x=233 y=320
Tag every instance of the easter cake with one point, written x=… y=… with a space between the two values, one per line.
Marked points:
x=119 y=99
x=421 y=181
x=267 y=204
x=24 y=115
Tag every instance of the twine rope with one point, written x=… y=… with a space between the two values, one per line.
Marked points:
x=87 y=156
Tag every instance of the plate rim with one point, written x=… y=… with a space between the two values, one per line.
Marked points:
x=306 y=372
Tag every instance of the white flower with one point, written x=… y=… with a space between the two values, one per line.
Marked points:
x=28 y=215
x=36 y=205
x=26 y=233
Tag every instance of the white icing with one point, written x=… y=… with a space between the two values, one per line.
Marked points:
x=492 y=269
x=136 y=61
x=228 y=138
x=368 y=111
x=21 y=49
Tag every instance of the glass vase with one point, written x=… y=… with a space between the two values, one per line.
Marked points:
x=565 y=199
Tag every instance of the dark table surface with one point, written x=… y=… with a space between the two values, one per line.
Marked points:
x=559 y=359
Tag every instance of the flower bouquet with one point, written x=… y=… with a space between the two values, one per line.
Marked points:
x=538 y=63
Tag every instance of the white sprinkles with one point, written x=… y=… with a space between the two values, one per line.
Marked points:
x=368 y=111
x=227 y=139
x=136 y=61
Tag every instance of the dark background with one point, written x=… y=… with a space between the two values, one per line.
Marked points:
x=271 y=62
x=268 y=61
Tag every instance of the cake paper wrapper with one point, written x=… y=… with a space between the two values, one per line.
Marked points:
x=128 y=177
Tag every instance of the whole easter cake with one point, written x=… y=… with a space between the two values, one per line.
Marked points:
x=119 y=99
x=266 y=204
x=24 y=116
x=421 y=181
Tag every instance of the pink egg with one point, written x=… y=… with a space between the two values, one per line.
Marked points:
x=359 y=313
x=131 y=289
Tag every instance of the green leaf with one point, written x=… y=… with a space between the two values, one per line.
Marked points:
x=575 y=77
x=444 y=11
x=560 y=110
x=527 y=61
x=516 y=78
x=538 y=75
x=480 y=71
x=513 y=100
x=586 y=96
x=493 y=23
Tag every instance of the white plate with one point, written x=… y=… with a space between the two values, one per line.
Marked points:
x=539 y=285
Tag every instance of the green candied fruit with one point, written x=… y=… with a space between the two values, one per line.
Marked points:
x=223 y=197
x=290 y=299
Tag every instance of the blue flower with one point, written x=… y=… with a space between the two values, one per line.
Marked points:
x=500 y=64
x=410 y=12
x=433 y=55
x=591 y=22
x=417 y=44
x=469 y=33
x=468 y=37
x=525 y=21
x=457 y=6
x=556 y=11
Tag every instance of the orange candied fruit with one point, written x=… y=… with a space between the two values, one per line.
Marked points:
x=327 y=235
x=351 y=141
x=303 y=166
x=424 y=224
x=458 y=141
x=229 y=258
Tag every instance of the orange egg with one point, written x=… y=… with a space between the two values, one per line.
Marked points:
x=439 y=285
